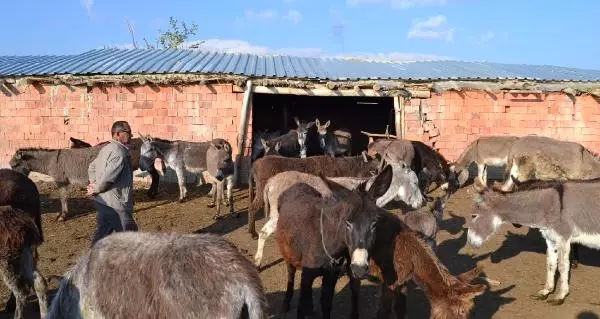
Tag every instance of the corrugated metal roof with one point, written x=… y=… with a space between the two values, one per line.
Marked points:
x=154 y=61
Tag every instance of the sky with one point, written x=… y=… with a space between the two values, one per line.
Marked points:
x=548 y=32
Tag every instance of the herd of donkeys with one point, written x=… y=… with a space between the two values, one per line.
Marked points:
x=326 y=208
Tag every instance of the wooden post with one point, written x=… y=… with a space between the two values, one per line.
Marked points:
x=399 y=116
x=242 y=131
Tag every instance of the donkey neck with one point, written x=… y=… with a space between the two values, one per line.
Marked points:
x=43 y=160
x=164 y=147
x=531 y=208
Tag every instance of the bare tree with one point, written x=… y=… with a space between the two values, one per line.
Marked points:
x=173 y=38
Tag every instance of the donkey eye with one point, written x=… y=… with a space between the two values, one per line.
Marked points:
x=474 y=216
x=348 y=225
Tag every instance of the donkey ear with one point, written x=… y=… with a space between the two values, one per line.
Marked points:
x=317 y=122
x=364 y=155
x=227 y=147
x=297 y=120
x=277 y=147
x=469 y=275
x=263 y=142
x=327 y=124
x=381 y=183
x=309 y=125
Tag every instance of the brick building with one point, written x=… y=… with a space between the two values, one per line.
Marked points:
x=191 y=95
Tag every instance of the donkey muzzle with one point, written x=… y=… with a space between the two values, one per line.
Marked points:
x=360 y=263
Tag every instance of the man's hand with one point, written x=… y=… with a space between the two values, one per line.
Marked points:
x=90 y=190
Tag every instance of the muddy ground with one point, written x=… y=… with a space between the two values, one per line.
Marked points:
x=515 y=257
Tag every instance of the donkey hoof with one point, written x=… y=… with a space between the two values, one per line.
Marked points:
x=574 y=264
x=254 y=236
x=556 y=302
x=539 y=296
x=211 y=205
x=217 y=217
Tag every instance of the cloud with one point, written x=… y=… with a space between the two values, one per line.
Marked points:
x=263 y=15
x=406 y=4
x=432 y=28
x=240 y=46
x=294 y=16
x=398 y=4
x=88 y=5
x=485 y=38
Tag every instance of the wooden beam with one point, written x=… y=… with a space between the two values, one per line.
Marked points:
x=379 y=135
x=399 y=116
x=243 y=130
x=316 y=91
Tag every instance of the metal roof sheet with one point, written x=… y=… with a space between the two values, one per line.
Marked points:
x=155 y=61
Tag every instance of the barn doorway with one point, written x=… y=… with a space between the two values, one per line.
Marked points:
x=371 y=114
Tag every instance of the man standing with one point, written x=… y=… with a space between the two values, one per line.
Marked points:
x=111 y=184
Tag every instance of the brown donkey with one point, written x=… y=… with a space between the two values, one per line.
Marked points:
x=398 y=255
x=316 y=234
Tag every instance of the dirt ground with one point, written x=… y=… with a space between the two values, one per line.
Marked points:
x=515 y=257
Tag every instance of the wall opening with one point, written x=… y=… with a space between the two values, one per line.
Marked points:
x=371 y=114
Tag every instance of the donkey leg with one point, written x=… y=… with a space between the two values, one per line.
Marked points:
x=153 y=191
x=40 y=287
x=265 y=232
x=330 y=277
x=564 y=248
x=213 y=194
x=181 y=182
x=289 y=292
x=574 y=256
x=32 y=277
x=305 y=307
x=551 y=263
x=481 y=174
x=64 y=209
x=508 y=184
x=230 y=196
x=11 y=279
x=385 y=302
x=219 y=198
x=355 y=290
x=400 y=301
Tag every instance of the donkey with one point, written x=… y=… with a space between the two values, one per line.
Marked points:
x=294 y=142
x=429 y=165
x=266 y=167
x=544 y=158
x=564 y=212
x=398 y=255
x=161 y=275
x=404 y=187
x=213 y=156
x=259 y=143
x=485 y=151
x=19 y=237
x=338 y=142
x=65 y=166
x=134 y=149
x=317 y=234
x=426 y=220
x=21 y=194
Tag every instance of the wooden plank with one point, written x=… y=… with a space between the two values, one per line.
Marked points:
x=316 y=91
x=398 y=120
x=242 y=131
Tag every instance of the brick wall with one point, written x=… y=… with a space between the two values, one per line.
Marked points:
x=452 y=120
x=47 y=115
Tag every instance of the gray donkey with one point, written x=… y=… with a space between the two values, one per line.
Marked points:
x=485 y=151
x=214 y=157
x=564 y=212
x=160 y=275
x=544 y=158
x=65 y=166
x=404 y=187
x=338 y=142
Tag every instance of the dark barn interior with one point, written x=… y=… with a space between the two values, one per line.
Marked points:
x=370 y=114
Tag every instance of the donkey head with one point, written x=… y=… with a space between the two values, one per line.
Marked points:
x=485 y=218
x=148 y=152
x=302 y=131
x=259 y=141
x=404 y=186
x=219 y=160
x=459 y=303
x=322 y=130
x=361 y=218
x=270 y=149
x=20 y=162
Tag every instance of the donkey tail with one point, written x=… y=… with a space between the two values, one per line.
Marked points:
x=256 y=302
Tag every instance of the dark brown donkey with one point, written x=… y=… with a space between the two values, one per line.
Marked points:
x=317 y=234
x=20 y=235
x=136 y=144
x=398 y=255
x=268 y=166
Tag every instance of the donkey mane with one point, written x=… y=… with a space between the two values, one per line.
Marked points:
x=446 y=276
x=17 y=229
x=37 y=149
x=558 y=186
